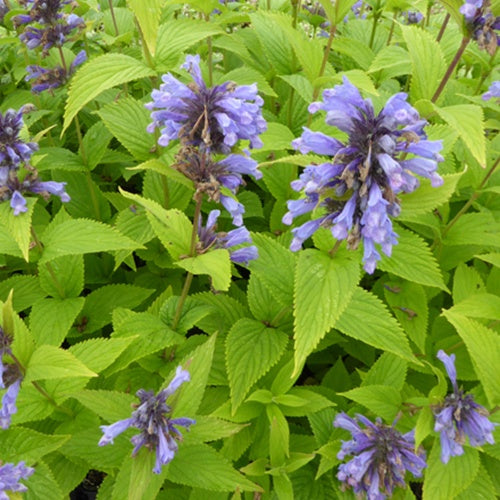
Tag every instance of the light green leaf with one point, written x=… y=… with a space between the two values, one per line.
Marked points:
x=378 y=328
x=172 y=227
x=388 y=370
x=200 y=466
x=109 y=405
x=50 y=362
x=19 y=226
x=492 y=258
x=382 y=400
x=215 y=263
x=26 y=290
x=467 y=120
x=279 y=435
x=51 y=319
x=393 y=60
x=52 y=158
x=246 y=76
x=479 y=305
x=211 y=429
x=98 y=75
x=301 y=85
x=445 y=481
x=483 y=345
x=63 y=277
x=79 y=236
x=118 y=116
x=148 y=16
x=42 y=484
x=427 y=62
x=412 y=259
x=252 y=349
x=323 y=288
x=474 y=229
x=277 y=136
x=95 y=144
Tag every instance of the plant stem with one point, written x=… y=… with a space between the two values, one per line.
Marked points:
x=391 y=32
x=192 y=249
x=443 y=27
x=376 y=17
x=475 y=195
x=112 y=10
x=451 y=67
x=295 y=15
x=145 y=49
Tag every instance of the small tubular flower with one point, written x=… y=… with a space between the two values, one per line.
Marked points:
x=459 y=416
x=381 y=457
x=10 y=475
x=481 y=24
x=210 y=238
x=158 y=431
x=493 y=91
x=212 y=118
x=9 y=403
x=355 y=193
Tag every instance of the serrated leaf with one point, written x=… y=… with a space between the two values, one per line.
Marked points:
x=483 y=345
x=51 y=319
x=49 y=362
x=95 y=143
x=412 y=259
x=117 y=117
x=251 y=351
x=98 y=75
x=393 y=59
x=200 y=466
x=279 y=435
x=378 y=328
x=79 y=236
x=445 y=481
x=246 y=76
x=467 y=120
x=211 y=429
x=63 y=277
x=382 y=400
x=388 y=370
x=19 y=443
x=19 y=226
x=474 y=229
x=109 y=405
x=26 y=291
x=148 y=17
x=41 y=484
x=479 y=305
x=492 y=258
x=277 y=136
x=59 y=158
x=427 y=62
x=172 y=227
x=323 y=288
x=215 y=263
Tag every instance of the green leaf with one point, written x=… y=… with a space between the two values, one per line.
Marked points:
x=51 y=319
x=50 y=362
x=200 y=466
x=59 y=158
x=301 y=85
x=200 y=363
x=109 y=405
x=378 y=328
x=382 y=400
x=79 y=236
x=393 y=60
x=178 y=35
x=412 y=259
x=277 y=136
x=95 y=144
x=41 y=484
x=467 y=120
x=445 y=481
x=323 y=288
x=117 y=116
x=19 y=443
x=355 y=49
x=275 y=267
x=63 y=277
x=19 y=226
x=483 y=345
x=172 y=227
x=98 y=75
x=252 y=349
x=427 y=62
x=215 y=263
x=26 y=291
x=148 y=17
x=426 y=198
x=479 y=305
x=246 y=76
x=211 y=429
x=474 y=229
x=279 y=436
x=492 y=258
x=388 y=370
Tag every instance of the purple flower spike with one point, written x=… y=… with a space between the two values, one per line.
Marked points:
x=355 y=193
x=381 y=457
x=211 y=118
x=10 y=475
x=50 y=187
x=493 y=91
x=459 y=416
x=13 y=150
x=9 y=404
x=151 y=417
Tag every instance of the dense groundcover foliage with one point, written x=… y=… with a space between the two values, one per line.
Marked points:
x=249 y=249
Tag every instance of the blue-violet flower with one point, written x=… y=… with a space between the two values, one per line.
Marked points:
x=481 y=24
x=459 y=416
x=210 y=238
x=493 y=91
x=381 y=457
x=10 y=475
x=357 y=189
x=158 y=431
x=211 y=118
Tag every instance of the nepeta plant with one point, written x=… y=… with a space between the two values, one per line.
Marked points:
x=10 y=475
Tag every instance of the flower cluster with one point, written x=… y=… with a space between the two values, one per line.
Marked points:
x=481 y=24
x=209 y=238
x=493 y=91
x=412 y=17
x=10 y=475
x=10 y=378
x=381 y=457
x=158 y=431
x=13 y=153
x=357 y=190
x=209 y=121
x=459 y=416
x=45 y=27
